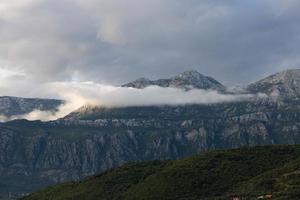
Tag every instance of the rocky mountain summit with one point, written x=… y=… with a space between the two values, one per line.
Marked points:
x=281 y=87
x=10 y=106
x=284 y=85
x=186 y=80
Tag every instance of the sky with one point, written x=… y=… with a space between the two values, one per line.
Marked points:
x=114 y=41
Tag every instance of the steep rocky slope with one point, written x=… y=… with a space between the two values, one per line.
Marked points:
x=244 y=173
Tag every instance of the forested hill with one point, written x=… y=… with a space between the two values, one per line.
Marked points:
x=247 y=172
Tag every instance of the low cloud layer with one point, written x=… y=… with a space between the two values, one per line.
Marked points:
x=78 y=94
x=97 y=94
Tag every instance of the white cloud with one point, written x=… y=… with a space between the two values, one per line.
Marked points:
x=11 y=8
x=78 y=94
x=112 y=96
x=7 y=73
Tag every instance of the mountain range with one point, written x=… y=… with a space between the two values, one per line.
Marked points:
x=284 y=85
x=94 y=139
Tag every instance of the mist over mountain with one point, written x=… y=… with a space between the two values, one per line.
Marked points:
x=98 y=137
x=278 y=88
x=87 y=86
x=15 y=107
x=189 y=87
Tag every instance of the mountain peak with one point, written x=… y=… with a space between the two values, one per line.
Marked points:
x=283 y=85
x=186 y=80
x=283 y=76
x=190 y=73
x=139 y=83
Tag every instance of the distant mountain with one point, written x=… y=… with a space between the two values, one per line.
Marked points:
x=186 y=80
x=247 y=173
x=94 y=139
x=10 y=106
x=284 y=85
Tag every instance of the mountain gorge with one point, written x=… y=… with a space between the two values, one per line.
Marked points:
x=93 y=139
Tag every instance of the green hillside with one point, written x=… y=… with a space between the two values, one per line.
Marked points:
x=246 y=172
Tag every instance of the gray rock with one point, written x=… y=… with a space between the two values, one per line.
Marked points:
x=187 y=80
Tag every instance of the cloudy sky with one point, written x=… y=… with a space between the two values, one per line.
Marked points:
x=114 y=41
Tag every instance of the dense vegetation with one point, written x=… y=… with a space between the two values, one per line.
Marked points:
x=245 y=172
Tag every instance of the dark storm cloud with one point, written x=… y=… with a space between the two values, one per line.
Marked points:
x=114 y=41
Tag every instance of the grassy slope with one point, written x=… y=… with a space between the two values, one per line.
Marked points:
x=214 y=175
x=283 y=182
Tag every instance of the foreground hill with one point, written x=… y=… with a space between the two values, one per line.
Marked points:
x=247 y=173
